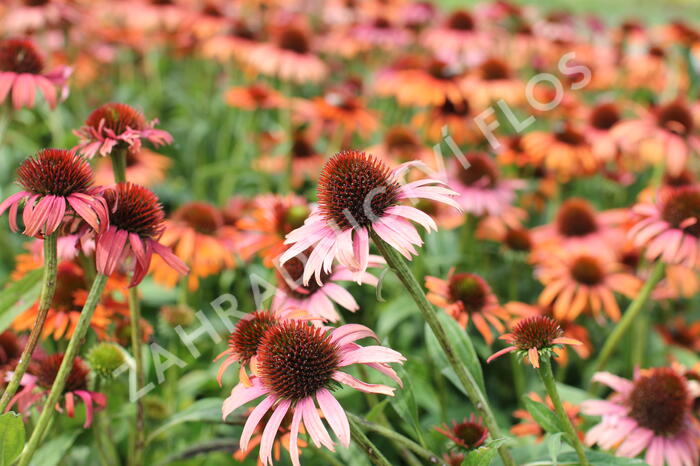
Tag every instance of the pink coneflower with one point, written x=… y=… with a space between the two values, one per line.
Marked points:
x=653 y=412
x=669 y=228
x=357 y=192
x=136 y=223
x=601 y=120
x=21 y=71
x=296 y=363
x=57 y=187
x=117 y=125
x=468 y=434
x=534 y=336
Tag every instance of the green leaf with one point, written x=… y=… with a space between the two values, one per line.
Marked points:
x=573 y=395
x=483 y=456
x=599 y=458
x=542 y=415
x=206 y=409
x=405 y=404
x=554 y=447
x=11 y=437
x=51 y=452
x=19 y=296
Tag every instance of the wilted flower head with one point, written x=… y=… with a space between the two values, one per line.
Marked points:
x=468 y=434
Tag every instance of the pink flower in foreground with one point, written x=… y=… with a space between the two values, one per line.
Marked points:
x=653 y=412
x=22 y=72
x=356 y=193
x=117 y=125
x=298 y=363
x=57 y=187
x=136 y=223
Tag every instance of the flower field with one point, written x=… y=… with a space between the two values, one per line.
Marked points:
x=378 y=232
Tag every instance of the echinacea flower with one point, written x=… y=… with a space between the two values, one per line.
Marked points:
x=115 y=125
x=22 y=72
x=468 y=434
x=669 y=229
x=534 y=337
x=650 y=413
x=10 y=351
x=494 y=80
x=254 y=97
x=298 y=363
x=281 y=437
x=136 y=224
x=566 y=151
x=357 y=193
x=57 y=188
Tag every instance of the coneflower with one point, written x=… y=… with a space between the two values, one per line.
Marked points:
x=468 y=434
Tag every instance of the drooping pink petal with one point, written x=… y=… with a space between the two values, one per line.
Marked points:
x=335 y=415
x=314 y=426
x=7 y=78
x=242 y=394
x=294 y=437
x=23 y=91
x=170 y=258
x=341 y=296
x=254 y=419
x=499 y=353
x=351 y=332
x=47 y=89
x=351 y=381
x=370 y=354
x=89 y=408
x=82 y=208
x=231 y=359
x=270 y=432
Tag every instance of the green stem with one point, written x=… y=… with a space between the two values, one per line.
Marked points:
x=545 y=372
x=119 y=164
x=66 y=365
x=102 y=439
x=45 y=298
x=139 y=424
x=396 y=438
x=373 y=453
x=400 y=268
x=629 y=317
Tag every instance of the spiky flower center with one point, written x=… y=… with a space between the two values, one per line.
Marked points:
x=470 y=434
x=676 y=117
x=294 y=40
x=659 y=401
x=587 y=270
x=297 y=359
x=356 y=189
x=10 y=350
x=55 y=172
x=494 y=69
x=684 y=178
x=482 y=171
x=292 y=274
x=135 y=209
x=200 y=216
x=20 y=56
x=302 y=148
x=536 y=332
x=470 y=290
x=246 y=337
x=46 y=369
x=683 y=205
x=576 y=218
x=460 y=21
x=605 y=116
x=401 y=140
x=117 y=117
x=518 y=239
x=570 y=136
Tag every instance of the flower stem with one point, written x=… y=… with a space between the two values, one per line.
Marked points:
x=45 y=298
x=400 y=268
x=66 y=366
x=374 y=455
x=139 y=431
x=629 y=317
x=119 y=165
x=545 y=372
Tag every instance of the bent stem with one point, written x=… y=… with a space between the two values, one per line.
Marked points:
x=66 y=366
x=629 y=317
x=139 y=431
x=45 y=298
x=545 y=373
x=400 y=268
x=374 y=455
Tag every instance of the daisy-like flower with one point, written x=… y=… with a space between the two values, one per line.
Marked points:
x=401 y=144
x=196 y=233
x=254 y=97
x=57 y=188
x=567 y=152
x=342 y=110
x=22 y=72
x=680 y=332
x=534 y=337
x=494 y=80
x=582 y=279
x=38 y=382
x=136 y=223
x=669 y=229
x=298 y=363
x=458 y=118
x=652 y=413
x=357 y=192
x=468 y=434
x=282 y=437
x=528 y=425
x=601 y=120
x=467 y=297
x=457 y=35
x=115 y=125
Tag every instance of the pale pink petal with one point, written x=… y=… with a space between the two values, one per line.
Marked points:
x=351 y=332
x=314 y=426
x=335 y=415
x=341 y=296
x=270 y=432
x=613 y=381
x=294 y=437
x=7 y=78
x=23 y=91
x=351 y=381
x=370 y=354
x=254 y=419
x=242 y=394
x=414 y=214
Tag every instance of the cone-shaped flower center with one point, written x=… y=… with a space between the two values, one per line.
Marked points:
x=494 y=69
x=481 y=170
x=401 y=140
x=9 y=348
x=680 y=206
x=659 y=401
x=46 y=368
x=536 y=332
x=55 y=172
x=296 y=360
x=676 y=117
x=117 y=117
x=684 y=178
x=518 y=239
x=200 y=216
x=449 y=108
x=576 y=218
x=294 y=40
x=246 y=337
x=302 y=148
x=471 y=434
x=355 y=189
x=460 y=20
x=20 y=56
x=570 y=136
x=604 y=116
x=470 y=290
x=135 y=209
x=587 y=270
x=36 y=2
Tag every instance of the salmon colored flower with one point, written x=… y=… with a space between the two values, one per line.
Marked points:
x=566 y=152
x=10 y=352
x=650 y=414
x=494 y=80
x=254 y=97
x=343 y=112
x=468 y=434
x=681 y=332
x=402 y=144
x=282 y=438
x=357 y=192
x=601 y=120
x=236 y=42
x=57 y=189
x=306 y=158
x=528 y=425
x=458 y=35
x=456 y=120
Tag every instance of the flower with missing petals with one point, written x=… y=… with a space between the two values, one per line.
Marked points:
x=468 y=434
x=357 y=193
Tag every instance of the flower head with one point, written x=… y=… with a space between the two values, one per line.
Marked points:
x=105 y=358
x=57 y=188
x=468 y=434
x=534 y=336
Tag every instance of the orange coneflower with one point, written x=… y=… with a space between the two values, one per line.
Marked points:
x=566 y=152
x=144 y=167
x=454 y=120
x=458 y=35
x=601 y=119
x=401 y=144
x=254 y=97
x=494 y=80
x=507 y=228
x=238 y=41
x=681 y=332
x=340 y=110
x=282 y=438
